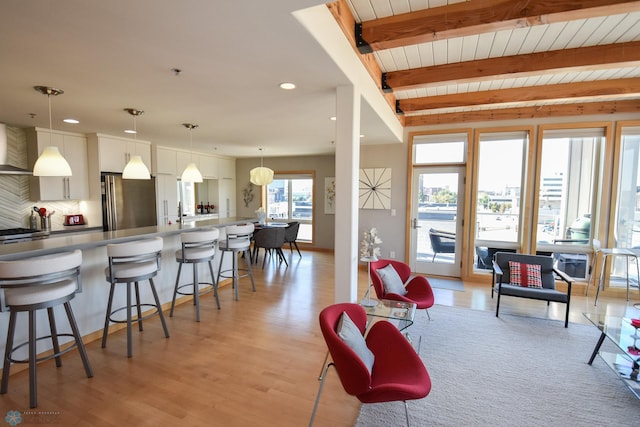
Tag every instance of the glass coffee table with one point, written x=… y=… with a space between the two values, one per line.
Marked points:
x=626 y=337
x=402 y=312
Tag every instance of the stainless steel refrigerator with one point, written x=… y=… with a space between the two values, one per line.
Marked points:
x=127 y=203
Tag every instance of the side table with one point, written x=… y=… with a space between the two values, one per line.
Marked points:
x=626 y=338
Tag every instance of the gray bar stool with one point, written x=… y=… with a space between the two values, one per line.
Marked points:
x=33 y=284
x=197 y=247
x=237 y=240
x=131 y=263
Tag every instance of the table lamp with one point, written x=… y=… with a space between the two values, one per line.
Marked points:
x=368 y=302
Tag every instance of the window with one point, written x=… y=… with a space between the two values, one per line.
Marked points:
x=499 y=186
x=627 y=226
x=569 y=171
x=290 y=198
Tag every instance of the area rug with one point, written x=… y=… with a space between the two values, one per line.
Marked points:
x=451 y=284
x=509 y=371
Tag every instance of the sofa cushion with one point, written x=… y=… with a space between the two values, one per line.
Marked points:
x=391 y=280
x=525 y=275
x=350 y=334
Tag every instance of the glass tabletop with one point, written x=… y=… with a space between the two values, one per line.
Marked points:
x=620 y=331
x=401 y=311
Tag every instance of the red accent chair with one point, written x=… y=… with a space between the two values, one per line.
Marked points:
x=418 y=288
x=398 y=373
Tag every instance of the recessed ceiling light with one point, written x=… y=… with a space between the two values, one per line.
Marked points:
x=361 y=136
x=287 y=86
x=332 y=118
x=130 y=131
x=71 y=121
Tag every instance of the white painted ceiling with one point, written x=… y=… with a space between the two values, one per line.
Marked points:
x=116 y=54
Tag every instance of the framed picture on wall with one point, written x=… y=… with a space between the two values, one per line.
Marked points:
x=330 y=195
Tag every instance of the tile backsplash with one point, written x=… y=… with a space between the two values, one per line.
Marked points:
x=15 y=202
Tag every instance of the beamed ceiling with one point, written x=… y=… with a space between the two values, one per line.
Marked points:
x=440 y=61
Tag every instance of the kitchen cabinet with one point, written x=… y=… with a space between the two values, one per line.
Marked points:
x=183 y=158
x=227 y=198
x=166 y=199
x=226 y=187
x=166 y=161
x=73 y=148
x=226 y=168
x=114 y=152
x=208 y=166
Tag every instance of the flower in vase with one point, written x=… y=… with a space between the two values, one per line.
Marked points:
x=370 y=244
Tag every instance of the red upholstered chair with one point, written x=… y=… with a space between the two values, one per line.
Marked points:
x=398 y=373
x=418 y=288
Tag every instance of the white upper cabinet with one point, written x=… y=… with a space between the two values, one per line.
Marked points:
x=73 y=148
x=114 y=153
x=227 y=168
x=166 y=161
x=208 y=166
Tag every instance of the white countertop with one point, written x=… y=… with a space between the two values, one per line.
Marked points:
x=61 y=242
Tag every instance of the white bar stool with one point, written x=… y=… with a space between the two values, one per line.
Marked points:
x=197 y=247
x=131 y=263
x=32 y=284
x=237 y=240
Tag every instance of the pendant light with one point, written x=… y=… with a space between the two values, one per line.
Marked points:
x=191 y=172
x=261 y=175
x=51 y=162
x=135 y=168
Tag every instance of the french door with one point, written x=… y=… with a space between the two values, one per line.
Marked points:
x=436 y=220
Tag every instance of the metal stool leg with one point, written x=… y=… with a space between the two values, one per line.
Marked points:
x=159 y=306
x=196 y=291
x=7 y=352
x=54 y=336
x=138 y=307
x=33 y=388
x=107 y=320
x=215 y=284
x=175 y=290
x=78 y=337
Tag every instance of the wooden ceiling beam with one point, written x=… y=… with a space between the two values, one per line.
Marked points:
x=342 y=14
x=585 y=58
x=477 y=17
x=576 y=92
x=577 y=110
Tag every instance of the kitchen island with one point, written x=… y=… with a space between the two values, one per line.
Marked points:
x=90 y=305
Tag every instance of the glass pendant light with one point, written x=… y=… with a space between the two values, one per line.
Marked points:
x=135 y=168
x=191 y=172
x=51 y=162
x=261 y=175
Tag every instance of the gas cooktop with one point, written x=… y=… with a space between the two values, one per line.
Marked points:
x=14 y=235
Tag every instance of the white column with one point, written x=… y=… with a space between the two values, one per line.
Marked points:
x=346 y=220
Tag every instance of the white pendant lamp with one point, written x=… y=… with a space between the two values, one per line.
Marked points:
x=191 y=172
x=51 y=162
x=261 y=175
x=135 y=168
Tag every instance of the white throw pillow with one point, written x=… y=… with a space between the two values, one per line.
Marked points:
x=350 y=334
x=391 y=280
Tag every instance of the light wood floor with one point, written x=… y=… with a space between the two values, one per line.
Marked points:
x=254 y=362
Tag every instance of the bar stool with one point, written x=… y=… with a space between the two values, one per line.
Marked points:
x=197 y=247
x=131 y=263
x=33 y=284
x=237 y=240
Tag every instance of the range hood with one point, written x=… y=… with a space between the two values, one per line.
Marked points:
x=5 y=168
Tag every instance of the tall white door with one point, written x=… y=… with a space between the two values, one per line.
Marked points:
x=436 y=220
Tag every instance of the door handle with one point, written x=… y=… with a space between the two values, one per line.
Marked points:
x=415 y=223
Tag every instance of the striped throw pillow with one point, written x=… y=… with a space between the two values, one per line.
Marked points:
x=525 y=275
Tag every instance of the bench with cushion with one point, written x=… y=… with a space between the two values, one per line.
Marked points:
x=529 y=276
